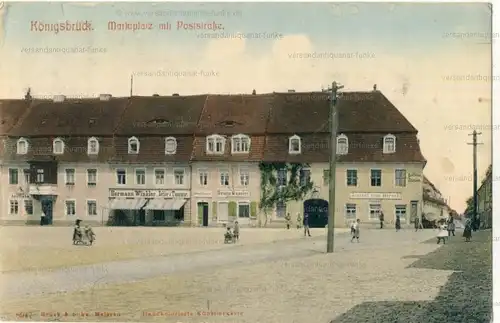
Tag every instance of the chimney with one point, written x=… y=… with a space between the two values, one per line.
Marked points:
x=156 y=94
x=105 y=97
x=374 y=87
x=59 y=98
x=291 y=91
x=175 y=94
x=253 y=92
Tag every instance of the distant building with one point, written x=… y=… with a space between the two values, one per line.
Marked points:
x=435 y=206
x=485 y=200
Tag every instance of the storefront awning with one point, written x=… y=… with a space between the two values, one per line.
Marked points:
x=127 y=204
x=165 y=204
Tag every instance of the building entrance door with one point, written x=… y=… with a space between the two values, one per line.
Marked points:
x=47 y=209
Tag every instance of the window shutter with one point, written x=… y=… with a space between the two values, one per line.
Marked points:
x=214 y=211
x=232 y=209
x=253 y=209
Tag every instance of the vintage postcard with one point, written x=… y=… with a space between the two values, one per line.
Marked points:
x=246 y=162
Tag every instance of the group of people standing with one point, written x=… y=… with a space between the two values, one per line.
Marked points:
x=300 y=222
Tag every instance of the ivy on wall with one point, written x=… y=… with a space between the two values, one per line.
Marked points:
x=271 y=194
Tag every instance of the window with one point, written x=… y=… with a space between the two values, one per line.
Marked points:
x=375 y=210
x=352 y=177
x=140 y=177
x=93 y=146
x=121 y=176
x=13 y=176
x=91 y=177
x=58 y=146
x=40 y=176
x=280 y=209
x=70 y=207
x=243 y=210
x=203 y=175
x=22 y=146
x=224 y=178
x=28 y=207
x=244 y=177
x=326 y=177
x=389 y=144
x=376 y=177
x=350 y=211
x=170 y=146
x=342 y=145
x=91 y=207
x=400 y=177
x=133 y=145
x=179 y=176
x=240 y=144
x=400 y=211
x=215 y=144
x=27 y=176
x=294 y=145
x=282 y=177
x=70 y=176
x=305 y=177
x=14 y=207
x=159 y=176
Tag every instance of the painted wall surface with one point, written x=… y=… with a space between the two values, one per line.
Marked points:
x=232 y=196
x=411 y=192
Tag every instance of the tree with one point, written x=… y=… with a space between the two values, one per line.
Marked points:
x=469 y=210
x=272 y=192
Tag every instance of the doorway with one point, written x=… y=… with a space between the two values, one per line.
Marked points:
x=203 y=213
x=141 y=217
x=47 y=209
x=413 y=210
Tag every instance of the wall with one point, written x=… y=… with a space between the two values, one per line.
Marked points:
x=209 y=193
x=412 y=191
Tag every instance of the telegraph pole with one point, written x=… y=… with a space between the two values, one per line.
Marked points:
x=474 y=144
x=333 y=160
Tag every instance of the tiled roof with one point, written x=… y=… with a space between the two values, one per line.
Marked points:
x=257 y=144
x=161 y=115
x=75 y=150
x=358 y=112
x=72 y=117
x=152 y=150
x=10 y=112
x=362 y=148
x=234 y=114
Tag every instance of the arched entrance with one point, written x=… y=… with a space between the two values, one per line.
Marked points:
x=317 y=209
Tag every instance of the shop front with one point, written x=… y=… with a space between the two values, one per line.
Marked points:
x=235 y=205
x=148 y=207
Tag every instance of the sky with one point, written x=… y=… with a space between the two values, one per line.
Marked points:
x=432 y=61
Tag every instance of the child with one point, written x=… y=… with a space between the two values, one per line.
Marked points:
x=443 y=232
x=90 y=234
x=228 y=236
x=468 y=230
x=236 y=231
x=355 y=230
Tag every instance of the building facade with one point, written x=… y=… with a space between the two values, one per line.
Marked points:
x=229 y=145
x=56 y=161
x=379 y=163
x=485 y=201
x=435 y=205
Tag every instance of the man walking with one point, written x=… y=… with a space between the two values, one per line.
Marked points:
x=306 y=225
x=417 y=223
x=381 y=220
x=288 y=220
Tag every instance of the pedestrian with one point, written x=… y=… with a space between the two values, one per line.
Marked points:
x=398 y=223
x=381 y=220
x=451 y=226
x=306 y=225
x=442 y=233
x=468 y=230
x=288 y=220
x=299 y=220
x=417 y=223
x=355 y=231
x=236 y=231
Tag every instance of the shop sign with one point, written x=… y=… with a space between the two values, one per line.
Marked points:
x=131 y=193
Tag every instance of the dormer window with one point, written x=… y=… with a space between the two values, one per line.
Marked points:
x=92 y=146
x=133 y=145
x=342 y=145
x=240 y=144
x=58 y=146
x=22 y=146
x=215 y=144
x=294 y=145
x=389 y=144
x=170 y=146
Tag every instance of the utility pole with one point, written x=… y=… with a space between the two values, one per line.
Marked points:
x=474 y=144
x=333 y=160
x=131 y=84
